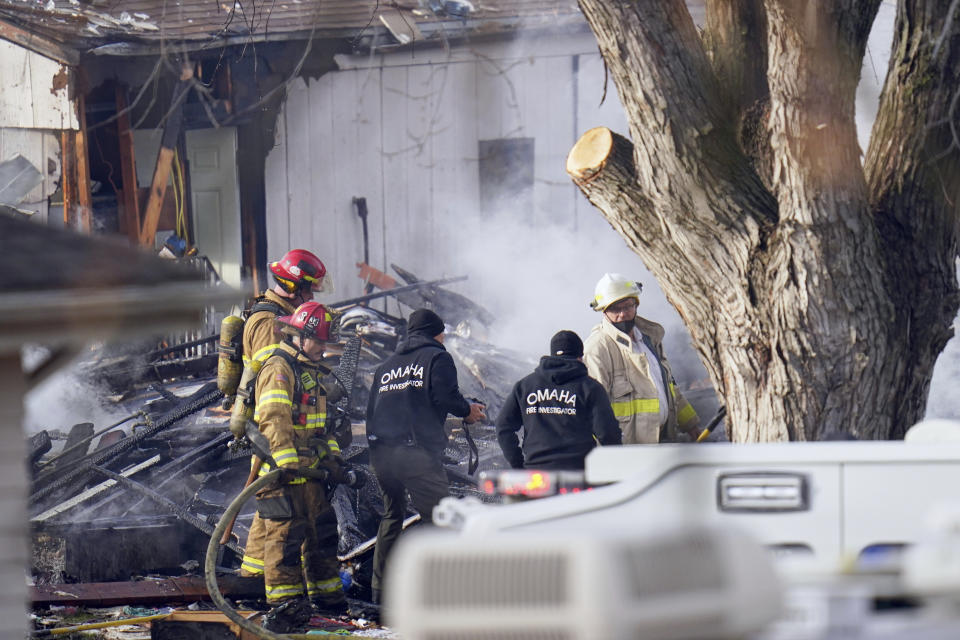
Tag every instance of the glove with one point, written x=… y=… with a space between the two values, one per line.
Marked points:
x=238 y=428
x=288 y=474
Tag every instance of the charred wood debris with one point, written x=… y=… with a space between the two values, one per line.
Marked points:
x=139 y=498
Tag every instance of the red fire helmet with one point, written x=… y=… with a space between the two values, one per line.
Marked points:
x=298 y=269
x=310 y=320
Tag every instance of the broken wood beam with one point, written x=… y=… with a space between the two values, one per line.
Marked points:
x=207 y=394
x=418 y=286
x=375 y=277
x=170 y=591
x=171 y=471
x=68 y=185
x=84 y=196
x=178 y=510
x=92 y=491
x=168 y=143
x=130 y=220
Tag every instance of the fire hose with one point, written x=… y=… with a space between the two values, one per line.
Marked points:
x=210 y=563
x=261 y=449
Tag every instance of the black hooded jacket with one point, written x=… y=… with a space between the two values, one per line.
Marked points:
x=413 y=391
x=561 y=409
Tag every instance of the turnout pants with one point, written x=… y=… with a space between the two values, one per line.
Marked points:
x=299 y=553
x=400 y=469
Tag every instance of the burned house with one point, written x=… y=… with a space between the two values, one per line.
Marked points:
x=369 y=132
x=244 y=129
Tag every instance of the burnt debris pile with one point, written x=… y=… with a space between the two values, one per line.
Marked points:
x=141 y=496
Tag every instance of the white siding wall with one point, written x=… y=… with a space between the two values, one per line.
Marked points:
x=34 y=105
x=403 y=129
x=42 y=149
x=31 y=97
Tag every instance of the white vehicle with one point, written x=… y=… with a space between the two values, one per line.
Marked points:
x=830 y=503
x=668 y=543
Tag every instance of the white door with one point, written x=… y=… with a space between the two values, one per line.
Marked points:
x=212 y=154
x=212 y=157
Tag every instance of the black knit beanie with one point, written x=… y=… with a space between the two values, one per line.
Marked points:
x=566 y=343
x=426 y=322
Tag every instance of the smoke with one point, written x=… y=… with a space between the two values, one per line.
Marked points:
x=67 y=398
x=537 y=280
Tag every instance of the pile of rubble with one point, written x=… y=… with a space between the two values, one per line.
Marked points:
x=138 y=499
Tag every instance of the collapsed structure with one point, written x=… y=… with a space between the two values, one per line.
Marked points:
x=142 y=495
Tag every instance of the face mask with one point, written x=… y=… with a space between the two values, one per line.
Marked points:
x=625 y=326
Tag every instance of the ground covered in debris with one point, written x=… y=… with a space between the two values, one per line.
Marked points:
x=197 y=620
x=122 y=512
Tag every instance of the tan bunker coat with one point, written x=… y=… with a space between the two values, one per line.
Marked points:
x=627 y=375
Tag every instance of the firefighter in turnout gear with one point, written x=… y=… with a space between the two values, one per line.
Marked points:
x=300 y=531
x=413 y=391
x=625 y=354
x=297 y=276
x=564 y=412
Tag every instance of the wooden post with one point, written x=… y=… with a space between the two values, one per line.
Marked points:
x=161 y=175
x=67 y=184
x=129 y=222
x=84 y=197
x=158 y=189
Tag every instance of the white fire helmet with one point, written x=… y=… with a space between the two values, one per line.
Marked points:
x=613 y=287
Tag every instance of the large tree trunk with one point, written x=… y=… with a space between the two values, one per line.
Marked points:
x=816 y=302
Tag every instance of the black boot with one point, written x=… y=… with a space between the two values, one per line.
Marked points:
x=288 y=617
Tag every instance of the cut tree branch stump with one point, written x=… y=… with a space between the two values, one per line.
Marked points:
x=601 y=164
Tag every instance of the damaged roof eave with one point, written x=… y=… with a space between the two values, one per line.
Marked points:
x=38 y=44
x=436 y=32
x=501 y=30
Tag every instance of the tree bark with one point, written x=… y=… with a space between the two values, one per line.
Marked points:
x=774 y=256
x=913 y=176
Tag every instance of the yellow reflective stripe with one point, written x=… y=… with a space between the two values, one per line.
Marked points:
x=261 y=356
x=314 y=421
x=278 y=591
x=246 y=360
x=637 y=405
x=334 y=445
x=277 y=396
x=252 y=565
x=673 y=390
x=284 y=456
x=325 y=586
x=686 y=414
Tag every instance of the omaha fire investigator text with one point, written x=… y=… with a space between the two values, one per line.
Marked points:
x=400 y=378
x=534 y=398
